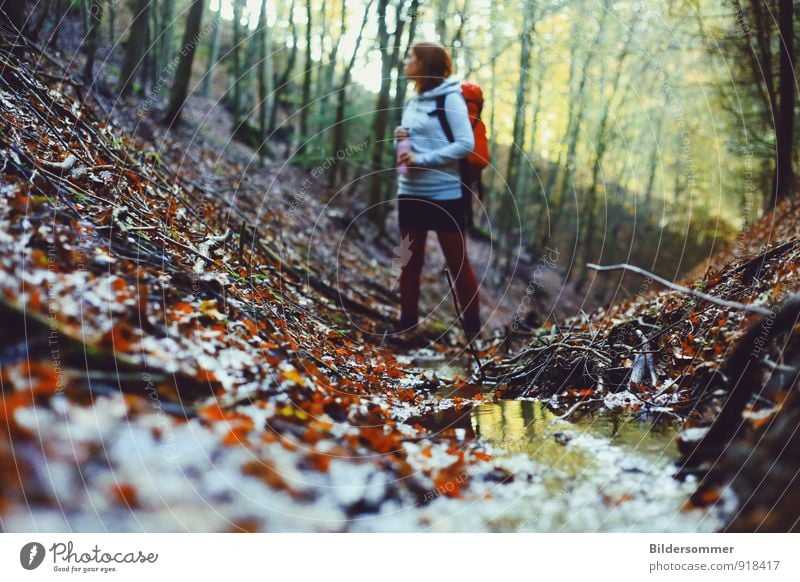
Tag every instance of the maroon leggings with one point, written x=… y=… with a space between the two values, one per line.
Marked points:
x=454 y=247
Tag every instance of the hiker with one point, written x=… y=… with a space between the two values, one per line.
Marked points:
x=430 y=195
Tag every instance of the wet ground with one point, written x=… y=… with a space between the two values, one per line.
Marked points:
x=603 y=472
x=540 y=473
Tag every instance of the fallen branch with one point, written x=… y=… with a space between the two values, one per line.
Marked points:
x=675 y=287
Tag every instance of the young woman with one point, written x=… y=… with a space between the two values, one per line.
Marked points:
x=429 y=184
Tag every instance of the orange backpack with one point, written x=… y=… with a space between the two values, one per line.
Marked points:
x=473 y=165
x=479 y=158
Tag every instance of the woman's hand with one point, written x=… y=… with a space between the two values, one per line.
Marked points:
x=401 y=132
x=407 y=159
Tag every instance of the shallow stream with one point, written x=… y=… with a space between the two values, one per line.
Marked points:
x=603 y=472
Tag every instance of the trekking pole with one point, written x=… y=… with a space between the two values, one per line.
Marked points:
x=461 y=321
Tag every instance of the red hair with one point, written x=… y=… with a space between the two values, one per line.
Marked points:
x=436 y=64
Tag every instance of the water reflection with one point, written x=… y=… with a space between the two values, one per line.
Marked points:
x=599 y=473
x=567 y=450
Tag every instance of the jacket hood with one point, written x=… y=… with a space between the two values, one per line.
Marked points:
x=451 y=84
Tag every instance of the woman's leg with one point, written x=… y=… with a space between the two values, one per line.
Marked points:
x=454 y=247
x=411 y=256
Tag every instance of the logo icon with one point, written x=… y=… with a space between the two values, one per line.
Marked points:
x=31 y=555
x=402 y=255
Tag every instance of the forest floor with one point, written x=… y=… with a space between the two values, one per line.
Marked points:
x=196 y=342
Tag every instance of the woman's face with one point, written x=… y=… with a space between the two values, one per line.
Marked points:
x=411 y=66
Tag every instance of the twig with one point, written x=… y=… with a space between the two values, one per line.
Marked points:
x=675 y=287
x=461 y=321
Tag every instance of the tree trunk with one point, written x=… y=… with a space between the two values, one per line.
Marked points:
x=586 y=243
x=653 y=165
x=95 y=13
x=236 y=103
x=112 y=23
x=317 y=112
x=165 y=45
x=490 y=188
x=337 y=170
x=377 y=183
x=265 y=80
x=784 y=132
x=509 y=208
x=280 y=86
x=577 y=108
x=249 y=88
x=213 y=55
x=183 y=74
x=325 y=86
x=442 y=16
x=137 y=46
x=154 y=62
x=305 y=106
x=529 y=173
x=402 y=83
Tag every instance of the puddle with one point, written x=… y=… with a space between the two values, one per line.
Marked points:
x=531 y=428
x=600 y=473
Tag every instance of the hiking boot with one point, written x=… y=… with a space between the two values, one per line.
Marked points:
x=406 y=326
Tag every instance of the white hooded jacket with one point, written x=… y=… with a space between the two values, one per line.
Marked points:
x=437 y=176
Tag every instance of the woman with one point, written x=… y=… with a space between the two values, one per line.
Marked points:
x=429 y=184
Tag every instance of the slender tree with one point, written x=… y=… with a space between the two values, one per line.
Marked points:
x=325 y=86
x=265 y=76
x=442 y=17
x=166 y=48
x=95 y=15
x=136 y=46
x=402 y=83
x=490 y=190
x=235 y=91
x=283 y=82
x=576 y=111
x=154 y=61
x=509 y=209
x=249 y=80
x=305 y=110
x=213 y=54
x=183 y=73
x=586 y=244
x=337 y=170
x=380 y=120
x=784 y=131
x=112 y=23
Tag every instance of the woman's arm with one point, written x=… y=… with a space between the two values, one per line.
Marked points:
x=455 y=108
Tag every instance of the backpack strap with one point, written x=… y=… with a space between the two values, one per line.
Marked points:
x=463 y=164
x=441 y=114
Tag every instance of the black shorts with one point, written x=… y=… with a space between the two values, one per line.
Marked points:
x=419 y=213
